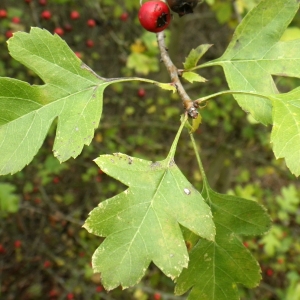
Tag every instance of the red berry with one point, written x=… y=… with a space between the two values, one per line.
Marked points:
x=28 y=1
x=90 y=43
x=16 y=20
x=68 y=27
x=2 y=249
x=124 y=16
x=78 y=54
x=157 y=296
x=74 y=15
x=269 y=272
x=141 y=92
x=17 y=244
x=46 y=14
x=70 y=296
x=53 y=293
x=91 y=23
x=59 y=31
x=56 y=180
x=3 y=13
x=99 y=289
x=154 y=16
x=47 y=264
x=43 y=2
x=9 y=34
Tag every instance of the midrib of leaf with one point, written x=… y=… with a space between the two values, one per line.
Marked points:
x=166 y=164
x=54 y=64
x=145 y=216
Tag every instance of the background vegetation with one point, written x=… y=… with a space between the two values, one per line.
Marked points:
x=44 y=252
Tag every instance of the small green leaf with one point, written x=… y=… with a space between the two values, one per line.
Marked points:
x=216 y=267
x=195 y=55
x=286 y=128
x=256 y=53
x=192 y=76
x=196 y=123
x=166 y=86
x=142 y=224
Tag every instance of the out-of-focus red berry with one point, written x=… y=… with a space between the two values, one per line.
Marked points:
x=157 y=296
x=17 y=244
x=70 y=296
x=9 y=33
x=141 y=92
x=124 y=16
x=53 y=293
x=99 y=288
x=90 y=43
x=46 y=15
x=269 y=272
x=59 y=31
x=16 y=20
x=43 y=2
x=91 y=23
x=78 y=54
x=47 y=264
x=74 y=15
x=56 y=180
x=3 y=13
x=68 y=27
x=2 y=249
x=28 y=1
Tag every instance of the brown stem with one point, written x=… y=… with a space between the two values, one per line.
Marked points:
x=173 y=71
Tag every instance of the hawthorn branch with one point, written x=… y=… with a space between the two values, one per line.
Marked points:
x=173 y=72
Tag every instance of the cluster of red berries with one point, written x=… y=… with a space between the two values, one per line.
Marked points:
x=155 y=15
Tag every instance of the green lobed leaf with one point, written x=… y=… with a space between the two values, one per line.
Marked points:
x=256 y=53
x=286 y=128
x=195 y=55
x=72 y=92
x=142 y=224
x=216 y=267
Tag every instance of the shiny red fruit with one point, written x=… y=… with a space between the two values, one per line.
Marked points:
x=74 y=15
x=46 y=15
x=3 y=13
x=154 y=16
